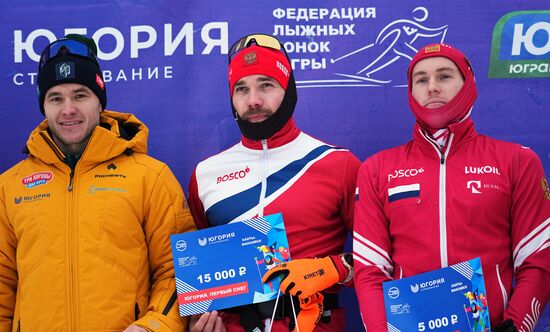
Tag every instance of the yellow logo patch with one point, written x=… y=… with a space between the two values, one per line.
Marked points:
x=433 y=48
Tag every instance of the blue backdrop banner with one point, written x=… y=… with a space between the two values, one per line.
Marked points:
x=166 y=62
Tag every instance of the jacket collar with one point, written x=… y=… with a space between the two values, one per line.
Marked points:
x=107 y=140
x=462 y=132
x=287 y=134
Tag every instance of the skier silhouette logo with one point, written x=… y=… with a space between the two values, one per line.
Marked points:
x=400 y=39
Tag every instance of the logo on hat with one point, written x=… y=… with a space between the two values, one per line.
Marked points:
x=64 y=70
x=250 y=58
x=282 y=68
x=431 y=49
x=99 y=82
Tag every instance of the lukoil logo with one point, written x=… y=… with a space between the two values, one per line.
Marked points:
x=411 y=172
x=481 y=170
x=233 y=176
x=521 y=45
x=474 y=186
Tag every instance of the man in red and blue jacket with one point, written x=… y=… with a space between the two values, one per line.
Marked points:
x=278 y=168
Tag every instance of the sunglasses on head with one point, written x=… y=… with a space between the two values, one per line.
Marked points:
x=66 y=46
x=255 y=39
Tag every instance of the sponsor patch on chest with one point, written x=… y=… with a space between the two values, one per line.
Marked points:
x=37 y=179
x=481 y=170
x=240 y=174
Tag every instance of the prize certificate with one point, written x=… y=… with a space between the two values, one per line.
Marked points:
x=222 y=267
x=448 y=299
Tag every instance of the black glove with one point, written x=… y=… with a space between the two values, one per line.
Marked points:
x=506 y=326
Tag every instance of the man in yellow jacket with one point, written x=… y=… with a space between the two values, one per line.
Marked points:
x=85 y=219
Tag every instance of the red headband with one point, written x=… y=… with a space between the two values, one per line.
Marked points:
x=257 y=60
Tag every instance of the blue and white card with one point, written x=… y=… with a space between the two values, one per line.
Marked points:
x=222 y=266
x=448 y=299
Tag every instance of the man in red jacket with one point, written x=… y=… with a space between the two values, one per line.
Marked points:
x=451 y=195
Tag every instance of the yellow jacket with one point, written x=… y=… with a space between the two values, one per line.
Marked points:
x=89 y=249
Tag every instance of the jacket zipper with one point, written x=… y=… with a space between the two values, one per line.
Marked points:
x=71 y=177
x=442 y=199
x=443 y=204
x=71 y=245
x=263 y=177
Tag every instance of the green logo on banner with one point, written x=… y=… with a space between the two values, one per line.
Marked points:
x=521 y=45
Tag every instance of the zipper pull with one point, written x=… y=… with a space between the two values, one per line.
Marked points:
x=70 y=187
x=442 y=159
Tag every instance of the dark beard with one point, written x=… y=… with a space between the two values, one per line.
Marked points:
x=267 y=128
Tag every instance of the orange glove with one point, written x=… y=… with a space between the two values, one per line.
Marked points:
x=305 y=277
x=311 y=310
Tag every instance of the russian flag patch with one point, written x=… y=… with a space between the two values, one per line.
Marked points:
x=407 y=191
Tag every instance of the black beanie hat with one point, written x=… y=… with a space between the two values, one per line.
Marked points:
x=67 y=67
